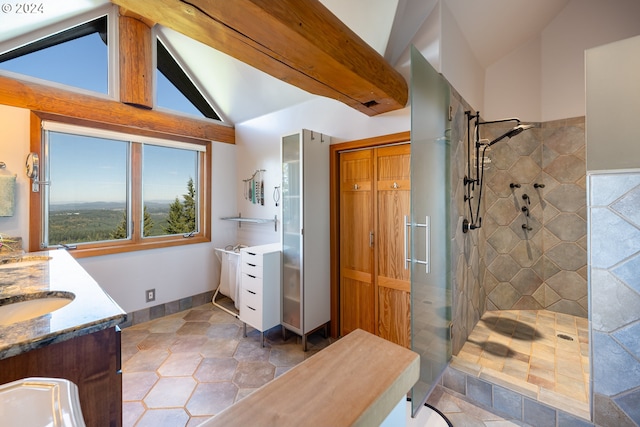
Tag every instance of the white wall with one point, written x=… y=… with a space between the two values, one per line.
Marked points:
x=14 y=147
x=513 y=86
x=459 y=65
x=544 y=79
x=258 y=143
x=583 y=24
x=427 y=41
x=174 y=272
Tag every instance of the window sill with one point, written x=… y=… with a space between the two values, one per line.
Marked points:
x=108 y=249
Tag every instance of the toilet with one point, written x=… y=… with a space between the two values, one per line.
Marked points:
x=40 y=402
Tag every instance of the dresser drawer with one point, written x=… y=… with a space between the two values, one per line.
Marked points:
x=251 y=258
x=251 y=299
x=251 y=315
x=251 y=283
x=252 y=269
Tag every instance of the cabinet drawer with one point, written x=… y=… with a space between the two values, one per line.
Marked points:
x=251 y=258
x=252 y=283
x=252 y=269
x=251 y=316
x=251 y=299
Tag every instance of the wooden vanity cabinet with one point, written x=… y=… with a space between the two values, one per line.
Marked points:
x=91 y=361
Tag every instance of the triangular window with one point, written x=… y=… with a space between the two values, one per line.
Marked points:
x=77 y=57
x=175 y=90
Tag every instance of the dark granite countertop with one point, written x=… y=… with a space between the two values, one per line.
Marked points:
x=54 y=273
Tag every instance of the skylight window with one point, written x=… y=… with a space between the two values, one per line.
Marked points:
x=77 y=57
x=175 y=90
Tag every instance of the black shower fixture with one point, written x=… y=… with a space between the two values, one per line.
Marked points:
x=525 y=210
x=536 y=185
x=526 y=198
x=474 y=178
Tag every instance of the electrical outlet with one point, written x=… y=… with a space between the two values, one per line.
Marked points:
x=150 y=295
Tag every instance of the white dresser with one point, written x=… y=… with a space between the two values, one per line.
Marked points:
x=260 y=287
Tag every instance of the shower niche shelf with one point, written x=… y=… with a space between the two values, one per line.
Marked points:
x=240 y=219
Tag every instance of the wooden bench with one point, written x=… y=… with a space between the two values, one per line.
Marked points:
x=357 y=381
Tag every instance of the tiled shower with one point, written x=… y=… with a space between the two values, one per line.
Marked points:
x=535 y=220
x=520 y=259
x=502 y=265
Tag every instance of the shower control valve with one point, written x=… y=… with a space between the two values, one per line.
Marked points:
x=525 y=210
x=526 y=198
x=514 y=185
x=525 y=227
x=536 y=185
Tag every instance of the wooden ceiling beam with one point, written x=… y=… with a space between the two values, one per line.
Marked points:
x=43 y=98
x=299 y=42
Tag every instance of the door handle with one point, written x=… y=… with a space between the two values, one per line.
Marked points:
x=407 y=260
x=371 y=239
x=427 y=227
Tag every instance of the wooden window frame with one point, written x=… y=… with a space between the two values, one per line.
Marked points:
x=137 y=242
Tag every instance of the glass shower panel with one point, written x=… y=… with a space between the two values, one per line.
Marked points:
x=429 y=223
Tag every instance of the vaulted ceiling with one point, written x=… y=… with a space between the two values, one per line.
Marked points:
x=242 y=92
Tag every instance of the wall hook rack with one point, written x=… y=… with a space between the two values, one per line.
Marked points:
x=254 y=187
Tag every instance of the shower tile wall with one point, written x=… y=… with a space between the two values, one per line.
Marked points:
x=467 y=266
x=544 y=267
x=614 y=229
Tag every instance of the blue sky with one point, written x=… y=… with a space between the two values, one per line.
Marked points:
x=97 y=172
x=84 y=63
x=94 y=170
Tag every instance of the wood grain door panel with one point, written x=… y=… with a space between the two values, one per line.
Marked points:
x=357 y=294
x=393 y=280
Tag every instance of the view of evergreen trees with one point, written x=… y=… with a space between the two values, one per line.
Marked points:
x=182 y=215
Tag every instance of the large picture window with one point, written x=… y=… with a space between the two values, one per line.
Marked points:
x=104 y=188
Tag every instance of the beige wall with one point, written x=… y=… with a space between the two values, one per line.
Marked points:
x=14 y=147
x=555 y=61
x=613 y=109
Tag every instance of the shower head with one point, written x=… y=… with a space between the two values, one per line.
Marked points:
x=511 y=133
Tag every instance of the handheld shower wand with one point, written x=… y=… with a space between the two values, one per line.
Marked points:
x=477 y=179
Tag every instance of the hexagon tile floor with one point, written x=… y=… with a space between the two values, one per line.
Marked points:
x=182 y=369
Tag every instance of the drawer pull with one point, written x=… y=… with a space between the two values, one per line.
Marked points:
x=251 y=308
x=253 y=277
x=251 y=265
x=251 y=292
x=251 y=253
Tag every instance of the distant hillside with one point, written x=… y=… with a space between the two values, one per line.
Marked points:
x=155 y=206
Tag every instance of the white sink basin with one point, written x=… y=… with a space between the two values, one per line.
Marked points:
x=23 y=261
x=31 y=306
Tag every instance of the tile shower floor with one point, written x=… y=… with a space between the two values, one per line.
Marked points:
x=535 y=351
x=181 y=369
